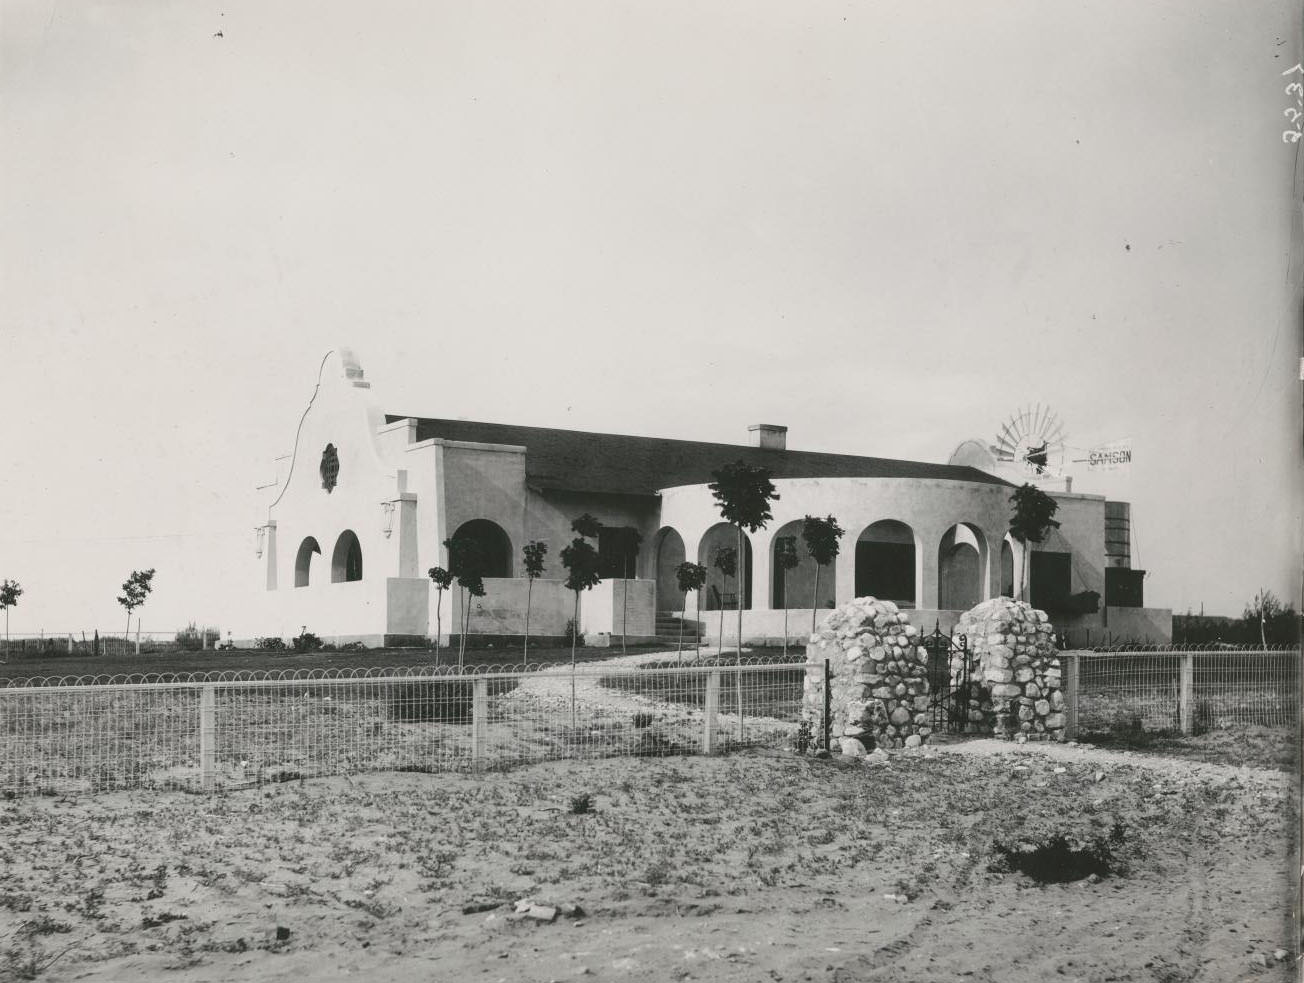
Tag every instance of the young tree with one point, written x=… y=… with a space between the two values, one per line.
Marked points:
x=443 y=580
x=743 y=494
x=821 y=537
x=10 y=591
x=786 y=558
x=630 y=539
x=532 y=555
x=690 y=577
x=726 y=561
x=472 y=583
x=1033 y=517
x=582 y=573
x=134 y=591
x=1262 y=609
x=466 y=566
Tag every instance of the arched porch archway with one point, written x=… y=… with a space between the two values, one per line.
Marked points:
x=961 y=567
x=669 y=554
x=888 y=563
x=492 y=546
x=795 y=588
x=719 y=590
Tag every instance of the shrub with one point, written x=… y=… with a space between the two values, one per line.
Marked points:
x=306 y=641
x=192 y=638
x=270 y=644
x=581 y=804
x=804 y=738
x=573 y=635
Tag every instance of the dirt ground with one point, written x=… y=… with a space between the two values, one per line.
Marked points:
x=750 y=867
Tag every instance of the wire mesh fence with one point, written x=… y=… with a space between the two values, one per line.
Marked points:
x=240 y=729
x=236 y=729
x=93 y=642
x=1187 y=691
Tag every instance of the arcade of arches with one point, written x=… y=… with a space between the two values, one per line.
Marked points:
x=889 y=565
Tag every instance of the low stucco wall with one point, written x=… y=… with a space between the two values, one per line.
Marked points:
x=766 y=627
x=1148 y=626
x=502 y=609
x=616 y=607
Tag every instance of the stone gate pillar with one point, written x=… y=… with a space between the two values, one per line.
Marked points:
x=880 y=678
x=1014 y=661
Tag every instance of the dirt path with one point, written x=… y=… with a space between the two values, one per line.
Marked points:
x=550 y=688
x=1077 y=754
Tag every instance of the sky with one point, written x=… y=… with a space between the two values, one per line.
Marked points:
x=885 y=225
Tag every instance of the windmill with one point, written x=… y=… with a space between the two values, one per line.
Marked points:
x=1031 y=442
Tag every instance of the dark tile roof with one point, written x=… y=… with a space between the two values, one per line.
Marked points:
x=572 y=460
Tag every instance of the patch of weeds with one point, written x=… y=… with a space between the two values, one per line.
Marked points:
x=378 y=910
x=1058 y=859
x=154 y=921
x=581 y=805
x=654 y=745
x=658 y=872
x=15 y=902
x=804 y=738
x=642 y=720
x=45 y=925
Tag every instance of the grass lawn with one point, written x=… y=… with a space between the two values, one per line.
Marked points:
x=246 y=660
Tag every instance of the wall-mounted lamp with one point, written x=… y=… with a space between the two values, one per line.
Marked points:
x=387 y=523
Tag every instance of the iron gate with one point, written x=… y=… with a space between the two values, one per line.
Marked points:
x=954 y=689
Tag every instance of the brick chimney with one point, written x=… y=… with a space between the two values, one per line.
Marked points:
x=769 y=435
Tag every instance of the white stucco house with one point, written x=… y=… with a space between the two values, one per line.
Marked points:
x=369 y=497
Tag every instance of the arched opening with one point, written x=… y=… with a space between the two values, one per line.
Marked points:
x=961 y=567
x=346 y=560
x=887 y=564
x=669 y=554
x=795 y=588
x=1007 y=568
x=491 y=545
x=721 y=591
x=303 y=561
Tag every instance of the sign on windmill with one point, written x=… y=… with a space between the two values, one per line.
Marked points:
x=1031 y=442
x=1113 y=456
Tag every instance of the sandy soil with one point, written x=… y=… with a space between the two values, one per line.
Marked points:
x=755 y=866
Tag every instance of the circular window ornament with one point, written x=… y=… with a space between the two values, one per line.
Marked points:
x=330 y=467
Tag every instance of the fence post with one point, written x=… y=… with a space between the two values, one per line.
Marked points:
x=739 y=694
x=479 y=722
x=709 y=711
x=207 y=736
x=1186 y=696
x=1072 y=690
x=828 y=705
